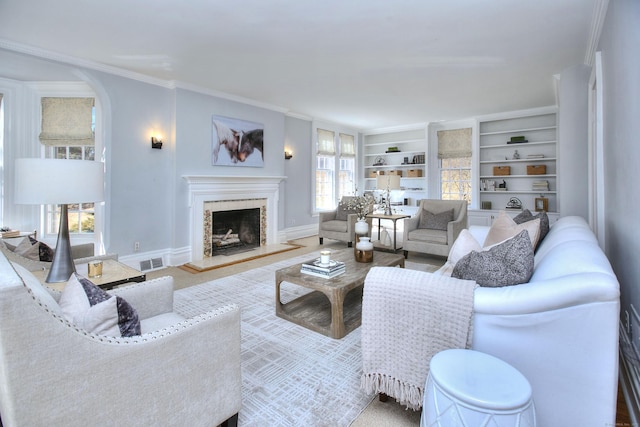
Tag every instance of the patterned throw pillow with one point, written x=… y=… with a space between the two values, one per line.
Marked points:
x=526 y=216
x=94 y=310
x=435 y=221
x=508 y=263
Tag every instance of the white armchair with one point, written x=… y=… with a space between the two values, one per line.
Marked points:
x=339 y=224
x=419 y=238
x=178 y=372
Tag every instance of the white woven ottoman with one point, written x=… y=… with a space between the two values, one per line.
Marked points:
x=471 y=389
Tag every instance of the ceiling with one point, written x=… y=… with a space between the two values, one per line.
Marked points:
x=364 y=63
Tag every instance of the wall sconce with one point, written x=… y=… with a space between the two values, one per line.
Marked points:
x=156 y=142
x=287 y=155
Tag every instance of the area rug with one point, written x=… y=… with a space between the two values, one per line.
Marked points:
x=291 y=376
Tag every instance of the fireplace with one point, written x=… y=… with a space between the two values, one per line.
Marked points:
x=210 y=195
x=235 y=231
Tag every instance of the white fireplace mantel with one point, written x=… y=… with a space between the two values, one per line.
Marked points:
x=205 y=188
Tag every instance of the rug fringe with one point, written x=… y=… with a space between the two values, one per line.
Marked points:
x=405 y=394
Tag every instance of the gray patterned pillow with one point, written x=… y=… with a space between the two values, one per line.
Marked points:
x=508 y=263
x=435 y=221
x=526 y=215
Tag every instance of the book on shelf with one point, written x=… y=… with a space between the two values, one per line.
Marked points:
x=540 y=186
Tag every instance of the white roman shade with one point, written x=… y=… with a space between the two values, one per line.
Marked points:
x=347 y=145
x=66 y=121
x=326 y=142
x=454 y=143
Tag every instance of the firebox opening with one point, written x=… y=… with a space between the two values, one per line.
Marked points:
x=235 y=231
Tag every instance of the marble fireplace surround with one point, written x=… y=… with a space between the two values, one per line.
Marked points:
x=203 y=189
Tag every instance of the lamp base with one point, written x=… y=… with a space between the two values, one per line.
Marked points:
x=62 y=266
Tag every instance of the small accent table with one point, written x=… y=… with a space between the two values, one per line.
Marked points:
x=114 y=273
x=394 y=218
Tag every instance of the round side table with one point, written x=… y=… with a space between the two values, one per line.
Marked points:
x=469 y=388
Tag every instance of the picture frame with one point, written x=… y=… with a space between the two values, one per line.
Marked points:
x=236 y=142
x=541 y=204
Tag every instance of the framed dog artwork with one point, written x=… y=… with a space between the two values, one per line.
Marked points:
x=236 y=142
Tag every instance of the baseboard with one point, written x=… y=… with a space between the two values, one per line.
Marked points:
x=629 y=374
x=293 y=233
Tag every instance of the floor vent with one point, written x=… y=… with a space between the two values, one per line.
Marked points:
x=151 y=264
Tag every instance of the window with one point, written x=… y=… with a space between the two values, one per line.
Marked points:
x=455 y=179
x=334 y=167
x=454 y=154
x=68 y=128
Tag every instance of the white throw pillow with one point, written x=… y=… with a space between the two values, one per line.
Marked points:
x=504 y=227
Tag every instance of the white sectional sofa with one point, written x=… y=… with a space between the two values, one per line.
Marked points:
x=560 y=329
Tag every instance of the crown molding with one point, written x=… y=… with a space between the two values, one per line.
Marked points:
x=228 y=96
x=168 y=84
x=597 y=22
x=79 y=62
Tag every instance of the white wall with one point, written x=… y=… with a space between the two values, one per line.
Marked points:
x=573 y=126
x=620 y=47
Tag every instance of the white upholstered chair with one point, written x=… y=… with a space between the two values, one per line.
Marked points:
x=419 y=237
x=178 y=372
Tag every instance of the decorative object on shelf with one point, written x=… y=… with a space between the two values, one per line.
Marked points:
x=418 y=159
x=405 y=161
x=536 y=170
x=542 y=204
x=394 y=172
x=516 y=155
x=501 y=170
x=414 y=173
x=364 y=250
x=517 y=140
x=486 y=205
x=379 y=161
x=514 y=203
x=502 y=187
x=386 y=184
x=393 y=150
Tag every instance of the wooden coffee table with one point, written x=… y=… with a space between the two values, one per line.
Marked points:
x=334 y=308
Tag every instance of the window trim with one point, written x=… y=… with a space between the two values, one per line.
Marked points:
x=337 y=130
x=69 y=89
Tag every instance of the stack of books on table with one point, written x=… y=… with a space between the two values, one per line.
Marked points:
x=540 y=186
x=315 y=268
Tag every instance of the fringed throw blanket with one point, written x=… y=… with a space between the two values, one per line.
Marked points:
x=407 y=317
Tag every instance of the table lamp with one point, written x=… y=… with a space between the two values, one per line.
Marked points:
x=387 y=183
x=59 y=182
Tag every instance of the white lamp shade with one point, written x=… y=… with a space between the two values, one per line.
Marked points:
x=58 y=181
x=388 y=182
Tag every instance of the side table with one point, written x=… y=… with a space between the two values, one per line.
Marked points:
x=114 y=273
x=394 y=218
